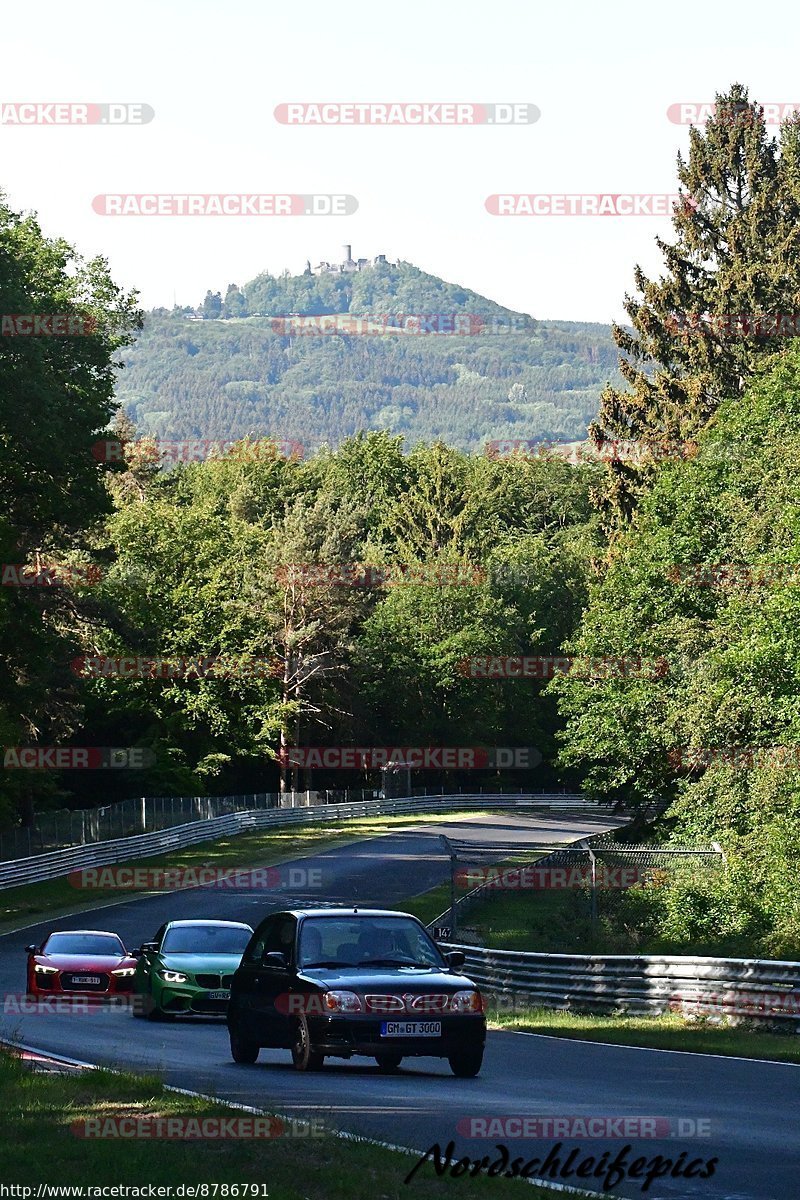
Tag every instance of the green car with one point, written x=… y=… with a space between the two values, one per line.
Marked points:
x=188 y=968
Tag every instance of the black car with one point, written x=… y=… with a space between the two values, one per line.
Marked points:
x=342 y=981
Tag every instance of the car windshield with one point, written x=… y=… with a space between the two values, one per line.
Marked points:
x=206 y=939
x=84 y=943
x=366 y=942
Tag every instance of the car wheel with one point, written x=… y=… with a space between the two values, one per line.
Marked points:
x=304 y=1056
x=466 y=1063
x=388 y=1062
x=242 y=1049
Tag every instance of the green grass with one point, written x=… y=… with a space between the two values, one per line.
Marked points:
x=38 y=1146
x=429 y=905
x=670 y=1032
x=556 y=922
x=268 y=847
x=516 y=920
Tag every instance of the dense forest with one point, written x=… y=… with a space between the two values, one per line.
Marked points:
x=344 y=593
x=234 y=375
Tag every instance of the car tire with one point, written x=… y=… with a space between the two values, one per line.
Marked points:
x=466 y=1063
x=388 y=1062
x=304 y=1056
x=242 y=1049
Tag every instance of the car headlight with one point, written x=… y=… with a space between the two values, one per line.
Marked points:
x=341 y=1002
x=173 y=976
x=39 y=969
x=469 y=1000
x=124 y=972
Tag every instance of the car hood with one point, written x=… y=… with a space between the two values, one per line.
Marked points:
x=389 y=979
x=84 y=962
x=192 y=963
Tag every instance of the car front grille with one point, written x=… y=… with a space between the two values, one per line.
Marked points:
x=417 y=1005
x=207 y=981
x=68 y=983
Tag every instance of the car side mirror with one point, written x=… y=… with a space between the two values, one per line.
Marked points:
x=455 y=959
x=30 y=949
x=275 y=958
x=137 y=953
x=148 y=946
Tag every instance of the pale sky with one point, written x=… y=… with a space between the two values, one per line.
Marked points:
x=603 y=77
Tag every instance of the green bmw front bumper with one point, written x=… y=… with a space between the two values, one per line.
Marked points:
x=198 y=993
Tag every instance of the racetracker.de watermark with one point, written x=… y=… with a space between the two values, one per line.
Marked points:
x=100 y=666
x=738 y=758
x=520 y=879
x=728 y=575
x=77 y=758
x=532 y=666
x=586 y=204
x=24 y=575
x=415 y=758
x=405 y=112
x=47 y=325
x=118 y=1004
x=699 y=112
x=197 y=1128
x=111 y=450
x=764 y=1003
x=611 y=450
x=362 y=575
x=734 y=326
x=223 y=204
x=547 y=1126
x=339 y=1001
x=41 y=112
x=173 y=879
x=456 y=324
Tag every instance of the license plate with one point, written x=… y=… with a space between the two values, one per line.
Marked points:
x=222 y=994
x=411 y=1029
x=85 y=978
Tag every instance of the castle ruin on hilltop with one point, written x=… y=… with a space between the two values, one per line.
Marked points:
x=348 y=264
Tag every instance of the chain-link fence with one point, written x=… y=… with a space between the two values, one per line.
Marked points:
x=145 y=814
x=148 y=814
x=596 y=873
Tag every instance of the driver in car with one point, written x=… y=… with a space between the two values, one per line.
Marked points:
x=376 y=943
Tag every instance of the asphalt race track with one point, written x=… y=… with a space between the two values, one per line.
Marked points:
x=751 y=1110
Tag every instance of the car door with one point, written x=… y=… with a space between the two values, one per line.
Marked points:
x=269 y=985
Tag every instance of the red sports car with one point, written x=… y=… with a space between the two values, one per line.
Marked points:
x=80 y=962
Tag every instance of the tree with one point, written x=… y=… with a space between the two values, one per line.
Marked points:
x=56 y=399
x=736 y=252
x=212 y=306
x=235 y=304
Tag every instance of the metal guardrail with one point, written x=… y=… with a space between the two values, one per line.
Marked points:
x=146 y=814
x=123 y=818
x=58 y=863
x=643 y=985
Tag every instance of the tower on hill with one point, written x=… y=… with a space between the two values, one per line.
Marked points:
x=349 y=264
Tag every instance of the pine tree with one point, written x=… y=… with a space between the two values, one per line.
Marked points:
x=736 y=256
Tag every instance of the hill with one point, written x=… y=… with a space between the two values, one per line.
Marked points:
x=300 y=377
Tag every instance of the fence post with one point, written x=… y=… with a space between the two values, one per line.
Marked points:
x=593 y=861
